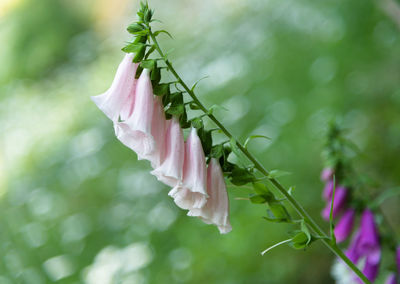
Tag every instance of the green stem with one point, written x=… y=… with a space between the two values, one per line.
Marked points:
x=296 y=205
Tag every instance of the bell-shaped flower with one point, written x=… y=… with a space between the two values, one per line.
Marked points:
x=216 y=210
x=391 y=279
x=398 y=259
x=328 y=189
x=192 y=192
x=116 y=98
x=135 y=132
x=338 y=203
x=327 y=174
x=171 y=169
x=345 y=225
x=158 y=131
x=365 y=246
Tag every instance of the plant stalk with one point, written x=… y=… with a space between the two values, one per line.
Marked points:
x=296 y=205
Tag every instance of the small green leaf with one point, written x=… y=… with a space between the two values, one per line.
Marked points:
x=277 y=173
x=140 y=54
x=183 y=120
x=133 y=47
x=197 y=122
x=156 y=33
x=237 y=152
x=194 y=106
x=148 y=64
x=217 y=151
x=156 y=74
x=240 y=176
x=306 y=231
x=279 y=210
x=161 y=89
x=198 y=81
x=258 y=199
x=175 y=110
x=300 y=241
x=135 y=27
x=150 y=51
x=140 y=39
x=206 y=140
x=253 y=137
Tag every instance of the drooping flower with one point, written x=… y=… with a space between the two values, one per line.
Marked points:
x=135 y=132
x=327 y=174
x=216 y=210
x=115 y=100
x=328 y=189
x=171 y=169
x=365 y=246
x=391 y=279
x=345 y=225
x=158 y=131
x=338 y=204
x=398 y=259
x=192 y=192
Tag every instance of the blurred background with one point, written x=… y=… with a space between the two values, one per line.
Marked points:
x=75 y=204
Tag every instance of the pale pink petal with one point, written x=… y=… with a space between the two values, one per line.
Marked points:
x=158 y=130
x=113 y=100
x=216 y=210
x=192 y=193
x=135 y=132
x=170 y=171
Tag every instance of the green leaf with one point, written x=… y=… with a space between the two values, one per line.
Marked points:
x=258 y=199
x=156 y=74
x=300 y=241
x=262 y=190
x=161 y=89
x=253 y=137
x=237 y=152
x=176 y=98
x=140 y=39
x=156 y=33
x=150 y=51
x=305 y=230
x=197 y=122
x=240 y=176
x=175 y=110
x=206 y=140
x=133 y=47
x=135 y=27
x=198 y=81
x=183 y=120
x=217 y=151
x=194 y=106
x=277 y=173
x=214 y=107
x=279 y=210
x=140 y=54
x=148 y=64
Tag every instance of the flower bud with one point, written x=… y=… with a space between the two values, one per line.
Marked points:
x=216 y=210
x=327 y=174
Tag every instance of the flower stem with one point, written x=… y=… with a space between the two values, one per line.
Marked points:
x=296 y=205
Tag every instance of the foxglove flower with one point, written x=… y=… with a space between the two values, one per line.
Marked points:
x=398 y=259
x=326 y=174
x=135 y=132
x=192 y=192
x=171 y=169
x=365 y=246
x=158 y=125
x=338 y=204
x=328 y=190
x=115 y=99
x=216 y=210
x=391 y=279
x=345 y=225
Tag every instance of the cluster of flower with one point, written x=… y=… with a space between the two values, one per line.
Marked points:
x=140 y=124
x=364 y=249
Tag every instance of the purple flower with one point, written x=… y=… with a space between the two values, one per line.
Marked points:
x=328 y=189
x=391 y=279
x=365 y=246
x=338 y=204
x=345 y=225
x=326 y=174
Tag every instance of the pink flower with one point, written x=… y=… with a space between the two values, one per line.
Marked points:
x=171 y=168
x=216 y=210
x=327 y=174
x=338 y=203
x=158 y=130
x=135 y=132
x=391 y=279
x=192 y=192
x=345 y=225
x=115 y=99
x=328 y=189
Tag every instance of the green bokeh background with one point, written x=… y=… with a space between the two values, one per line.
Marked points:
x=75 y=204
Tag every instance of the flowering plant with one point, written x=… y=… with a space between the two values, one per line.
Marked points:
x=150 y=116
